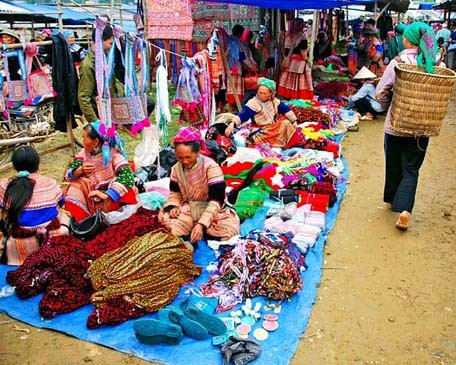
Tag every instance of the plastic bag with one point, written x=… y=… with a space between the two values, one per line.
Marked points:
x=146 y=152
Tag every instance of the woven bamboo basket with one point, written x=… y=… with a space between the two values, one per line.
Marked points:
x=420 y=100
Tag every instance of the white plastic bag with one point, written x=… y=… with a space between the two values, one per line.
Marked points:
x=146 y=152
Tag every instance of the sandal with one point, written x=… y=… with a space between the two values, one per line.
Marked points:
x=402 y=221
x=366 y=117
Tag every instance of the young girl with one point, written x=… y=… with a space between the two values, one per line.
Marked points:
x=29 y=208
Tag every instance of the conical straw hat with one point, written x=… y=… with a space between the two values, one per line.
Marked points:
x=364 y=73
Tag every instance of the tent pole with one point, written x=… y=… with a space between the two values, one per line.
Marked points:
x=313 y=36
x=59 y=7
x=229 y=75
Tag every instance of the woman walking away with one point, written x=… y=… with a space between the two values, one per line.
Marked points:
x=29 y=208
x=404 y=154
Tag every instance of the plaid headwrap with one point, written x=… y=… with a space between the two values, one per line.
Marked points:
x=187 y=134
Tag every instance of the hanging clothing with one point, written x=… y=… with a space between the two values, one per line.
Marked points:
x=87 y=93
x=203 y=182
x=169 y=19
x=41 y=213
x=64 y=83
x=116 y=180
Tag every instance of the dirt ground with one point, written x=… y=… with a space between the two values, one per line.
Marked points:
x=386 y=297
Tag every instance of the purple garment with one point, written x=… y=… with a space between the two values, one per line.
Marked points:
x=389 y=79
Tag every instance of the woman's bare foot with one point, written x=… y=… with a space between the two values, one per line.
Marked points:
x=403 y=220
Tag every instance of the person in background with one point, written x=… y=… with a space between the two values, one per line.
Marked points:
x=8 y=37
x=451 y=51
x=195 y=208
x=29 y=205
x=296 y=77
x=364 y=100
x=395 y=45
x=45 y=51
x=100 y=177
x=404 y=154
x=75 y=49
x=445 y=33
x=87 y=90
x=241 y=63
x=374 y=49
x=322 y=47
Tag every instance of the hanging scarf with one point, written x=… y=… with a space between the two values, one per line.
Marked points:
x=162 y=112
x=188 y=95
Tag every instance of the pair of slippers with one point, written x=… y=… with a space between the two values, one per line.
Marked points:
x=173 y=323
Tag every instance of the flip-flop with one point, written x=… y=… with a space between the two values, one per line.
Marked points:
x=366 y=117
x=402 y=221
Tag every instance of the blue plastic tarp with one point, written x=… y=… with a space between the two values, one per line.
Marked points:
x=278 y=349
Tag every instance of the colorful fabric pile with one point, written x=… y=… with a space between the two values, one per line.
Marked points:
x=58 y=269
x=146 y=273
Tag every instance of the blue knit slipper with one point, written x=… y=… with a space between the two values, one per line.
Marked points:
x=151 y=332
x=214 y=325
x=190 y=328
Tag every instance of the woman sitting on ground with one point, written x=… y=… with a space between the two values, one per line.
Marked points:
x=364 y=100
x=100 y=176
x=263 y=110
x=195 y=208
x=29 y=208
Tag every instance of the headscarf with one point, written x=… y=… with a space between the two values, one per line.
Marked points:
x=245 y=37
x=400 y=28
x=68 y=34
x=47 y=31
x=111 y=140
x=420 y=34
x=270 y=84
x=187 y=134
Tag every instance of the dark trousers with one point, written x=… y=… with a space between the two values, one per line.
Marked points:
x=364 y=106
x=404 y=157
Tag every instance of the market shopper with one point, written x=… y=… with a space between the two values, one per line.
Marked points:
x=374 y=50
x=9 y=37
x=322 y=47
x=404 y=154
x=196 y=204
x=29 y=204
x=87 y=89
x=296 y=77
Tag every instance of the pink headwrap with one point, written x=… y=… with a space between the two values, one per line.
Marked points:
x=246 y=35
x=187 y=134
